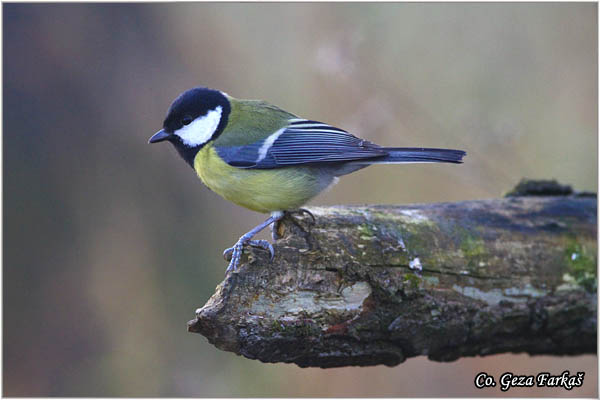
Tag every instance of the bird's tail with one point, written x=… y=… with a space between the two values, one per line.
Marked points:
x=399 y=155
x=404 y=155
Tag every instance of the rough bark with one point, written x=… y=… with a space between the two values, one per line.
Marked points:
x=516 y=274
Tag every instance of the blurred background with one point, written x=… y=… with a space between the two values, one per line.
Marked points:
x=110 y=244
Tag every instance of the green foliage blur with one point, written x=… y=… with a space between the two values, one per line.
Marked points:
x=110 y=244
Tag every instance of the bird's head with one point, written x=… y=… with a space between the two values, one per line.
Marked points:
x=196 y=117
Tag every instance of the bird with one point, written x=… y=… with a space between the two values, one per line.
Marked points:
x=269 y=160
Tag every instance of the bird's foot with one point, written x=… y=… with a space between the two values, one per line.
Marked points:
x=275 y=228
x=235 y=252
x=263 y=244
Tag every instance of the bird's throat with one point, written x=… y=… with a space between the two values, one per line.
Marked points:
x=187 y=153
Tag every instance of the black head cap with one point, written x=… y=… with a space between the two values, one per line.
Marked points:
x=194 y=105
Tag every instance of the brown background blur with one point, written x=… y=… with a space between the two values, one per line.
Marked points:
x=110 y=244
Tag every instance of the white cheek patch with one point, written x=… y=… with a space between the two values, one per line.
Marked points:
x=200 y=130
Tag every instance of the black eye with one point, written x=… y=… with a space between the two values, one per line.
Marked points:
x=186 y=120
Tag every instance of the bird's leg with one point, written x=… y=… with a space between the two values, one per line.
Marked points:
x=290 y=214
x=236 y=250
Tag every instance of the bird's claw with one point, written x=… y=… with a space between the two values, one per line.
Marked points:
x=227 y=253
x=263 y=244
x=302 y=211
x=234 y=254
x=290 y=214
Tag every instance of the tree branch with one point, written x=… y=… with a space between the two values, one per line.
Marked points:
x=516 y=274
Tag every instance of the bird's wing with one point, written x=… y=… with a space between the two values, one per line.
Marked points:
x=300 y=142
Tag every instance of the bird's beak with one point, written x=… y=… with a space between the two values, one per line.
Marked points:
x=159 y=136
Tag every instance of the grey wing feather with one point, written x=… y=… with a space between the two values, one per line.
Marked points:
x=301 y=142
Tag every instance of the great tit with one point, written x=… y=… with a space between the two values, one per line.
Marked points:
x=267 y=159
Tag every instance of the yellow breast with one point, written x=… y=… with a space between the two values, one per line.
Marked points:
x=262 y=190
